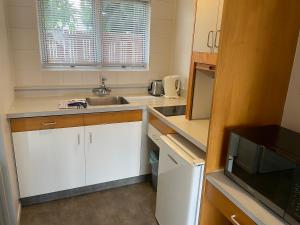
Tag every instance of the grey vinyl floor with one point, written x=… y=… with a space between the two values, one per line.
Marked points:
x=129 y=205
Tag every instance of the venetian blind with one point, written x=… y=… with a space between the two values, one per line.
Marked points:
x=97 y=33
x=124 y=28
x=68 y=32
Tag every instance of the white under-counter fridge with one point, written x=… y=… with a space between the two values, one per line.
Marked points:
x=180 y=178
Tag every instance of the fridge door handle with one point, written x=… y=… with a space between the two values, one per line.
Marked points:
x=210 y=40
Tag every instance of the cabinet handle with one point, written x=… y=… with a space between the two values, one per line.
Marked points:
x=209 y=44
x=49 y=123
x=233 y=218
x=172 y=159
x=78 y=139
x=216 y=39
x=91 y=137
x=208 y=39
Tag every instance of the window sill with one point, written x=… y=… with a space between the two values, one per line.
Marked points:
x=94 y=69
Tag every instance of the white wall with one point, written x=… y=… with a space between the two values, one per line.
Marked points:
x=6 y=98
x=184 y=29
x=291 y=115
x=23 y=29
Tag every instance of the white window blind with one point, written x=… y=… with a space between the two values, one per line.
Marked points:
x=97 y=33
x=68 y=32
x=124 y=33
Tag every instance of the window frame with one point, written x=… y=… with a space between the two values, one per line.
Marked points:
x=98 y=66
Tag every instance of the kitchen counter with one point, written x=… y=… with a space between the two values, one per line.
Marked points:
x=48 y=106
x=259 y=213
x=195 y=131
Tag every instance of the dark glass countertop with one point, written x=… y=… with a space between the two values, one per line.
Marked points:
x=177 y=110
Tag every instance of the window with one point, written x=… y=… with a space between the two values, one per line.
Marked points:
x=124 y=33
x=68 y=33
x=94 y=33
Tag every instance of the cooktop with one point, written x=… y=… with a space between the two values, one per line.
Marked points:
x=177 y=110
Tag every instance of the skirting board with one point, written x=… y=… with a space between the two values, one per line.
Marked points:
x=82 y=190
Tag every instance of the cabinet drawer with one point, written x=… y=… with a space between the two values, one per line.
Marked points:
x=154 y=135
x=45 y=123
x=160 y=126
x=226 y=207
x=112 y=117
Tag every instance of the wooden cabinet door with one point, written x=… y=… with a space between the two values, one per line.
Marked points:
x=49 y=160
x=112 y=151
x=205 y=25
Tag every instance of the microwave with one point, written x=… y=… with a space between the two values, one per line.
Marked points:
x=265 y=161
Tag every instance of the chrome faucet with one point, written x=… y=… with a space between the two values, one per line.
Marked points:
x=102 y=90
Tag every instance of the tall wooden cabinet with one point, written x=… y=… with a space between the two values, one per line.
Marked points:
x=257 y=46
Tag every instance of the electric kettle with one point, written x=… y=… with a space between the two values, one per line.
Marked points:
x=172 y=86
x=156 y=88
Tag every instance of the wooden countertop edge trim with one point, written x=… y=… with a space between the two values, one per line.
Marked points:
x=112 y=117
x=200 y=145
x=162 y=127
x=77 y=120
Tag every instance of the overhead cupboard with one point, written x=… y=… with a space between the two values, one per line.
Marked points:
x=208 y=25
x=57 y=153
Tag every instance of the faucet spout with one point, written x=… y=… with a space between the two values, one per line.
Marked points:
x=102 y=90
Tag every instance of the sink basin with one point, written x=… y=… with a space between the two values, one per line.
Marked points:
x=108 y=100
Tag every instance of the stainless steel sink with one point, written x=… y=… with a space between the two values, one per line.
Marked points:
x=108 y=100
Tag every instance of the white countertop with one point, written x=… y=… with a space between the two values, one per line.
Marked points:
x=195 y=131
x=48 y=106
x=259 y=213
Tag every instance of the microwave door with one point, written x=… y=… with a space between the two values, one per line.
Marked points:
x=272 y=162
x=243 y=154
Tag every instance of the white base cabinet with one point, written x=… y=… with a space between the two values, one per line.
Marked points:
x=112 y=152
x=49 y=160
x=59 y=159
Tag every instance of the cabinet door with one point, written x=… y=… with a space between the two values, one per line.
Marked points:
x=112 y=151
x=49 y=160
x=218 y=29
x=205 y=25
